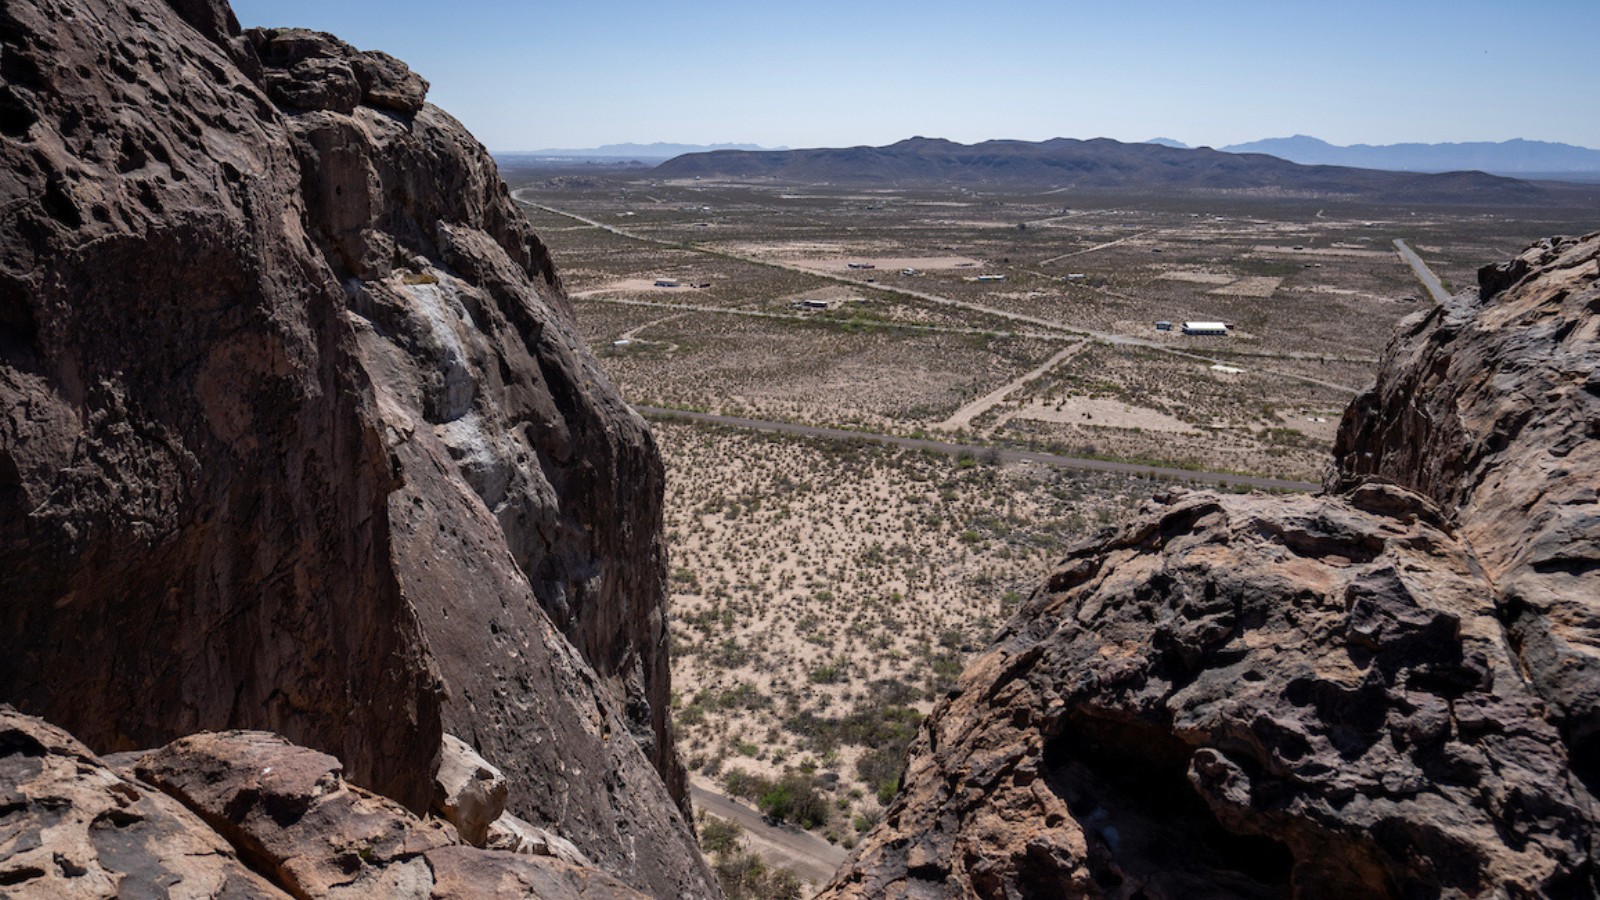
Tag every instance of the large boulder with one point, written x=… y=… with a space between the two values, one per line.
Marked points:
x=300 y=436
x=1385 y=690
x=467 y=791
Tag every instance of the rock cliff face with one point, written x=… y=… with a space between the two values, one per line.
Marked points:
x=1385 y=690
x=1491 y=407
x=299 y=436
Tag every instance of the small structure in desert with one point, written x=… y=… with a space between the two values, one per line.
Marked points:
x=1207 y=329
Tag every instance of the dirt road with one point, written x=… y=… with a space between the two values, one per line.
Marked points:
x=963 y=417
x=805 y=854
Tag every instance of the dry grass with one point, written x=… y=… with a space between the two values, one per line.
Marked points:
x=820 y=586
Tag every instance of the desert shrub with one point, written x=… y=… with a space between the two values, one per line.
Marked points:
x=745 y=696
x=730 y=654
x=876 y=727
x=891 y=692
x=880 y=771
x=828 y=673
x=739 y=783
x=943 y=670
x=720 y=836
x=795 y=798
x=742 y=875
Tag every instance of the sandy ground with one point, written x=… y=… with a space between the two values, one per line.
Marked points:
x=806 y=572
x=891 y=264
x=1253 y=286
x=962 y=418
x=1194 y=277
x=788 y=248
x=1102 y=412
x=1350 y=252
x=1321 y=427
x=877 y=380
x=634 y=286
x=835 y=293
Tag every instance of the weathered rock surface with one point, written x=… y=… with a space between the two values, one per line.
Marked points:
x=234 y=814
x=1384 y=690
x=467 y=791
x=516 y=836
x=72 y=827
x=1491 y=406
x=299 y=436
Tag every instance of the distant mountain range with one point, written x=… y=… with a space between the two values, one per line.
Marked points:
x=657 y=150
x=1517 y=158
x=1106 y=165
x=1514 y=157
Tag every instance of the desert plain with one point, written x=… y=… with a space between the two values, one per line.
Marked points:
x=826 y=592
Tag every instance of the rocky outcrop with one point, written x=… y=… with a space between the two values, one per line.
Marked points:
x=1491 y=407
x=1378 y=691
x=299 y=436
x=237 y=814
x=71 y=826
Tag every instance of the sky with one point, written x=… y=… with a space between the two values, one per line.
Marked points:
x=530 y=74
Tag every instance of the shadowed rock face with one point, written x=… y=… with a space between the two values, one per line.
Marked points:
x=299 y=436
x=1385 y=690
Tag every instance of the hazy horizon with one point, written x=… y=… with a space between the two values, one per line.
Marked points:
x=832 y=74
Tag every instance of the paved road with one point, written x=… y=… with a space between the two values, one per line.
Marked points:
x=1424 y=274
x=808 y=856
x=1119 y=340
x=1049 y=459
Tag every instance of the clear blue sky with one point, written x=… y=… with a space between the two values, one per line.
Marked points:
x=529 y=75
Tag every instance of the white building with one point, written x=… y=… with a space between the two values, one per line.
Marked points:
x=1205 y=328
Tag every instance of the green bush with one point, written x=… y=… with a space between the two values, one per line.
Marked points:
x=880 y=770
x=795 y=798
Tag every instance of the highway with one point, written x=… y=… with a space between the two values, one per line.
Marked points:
x=953 y=449
x=808 y=856
x=1424 y=274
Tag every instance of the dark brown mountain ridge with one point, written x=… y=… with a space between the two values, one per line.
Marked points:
x=1103 y=164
